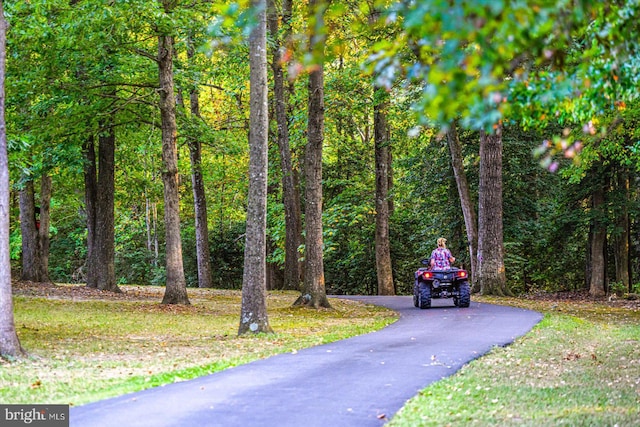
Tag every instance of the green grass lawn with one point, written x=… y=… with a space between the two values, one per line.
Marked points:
x=579 y=367
x=85 y=346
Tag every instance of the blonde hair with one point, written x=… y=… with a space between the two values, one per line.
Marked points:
x=442 y=242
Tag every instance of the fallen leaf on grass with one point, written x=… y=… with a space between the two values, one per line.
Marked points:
x=572 y=356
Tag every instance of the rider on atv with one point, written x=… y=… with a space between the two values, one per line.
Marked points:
x=441 y=258
x=440 y=280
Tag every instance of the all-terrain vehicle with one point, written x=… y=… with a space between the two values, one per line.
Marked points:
x=451 y=283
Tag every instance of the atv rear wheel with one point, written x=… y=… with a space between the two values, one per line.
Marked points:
x=464 y=300
x=424 y=295
x=415 y=293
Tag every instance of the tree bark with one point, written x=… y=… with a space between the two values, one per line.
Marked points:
x=468 y=211
x=105 y=220
x=176 y=285
x=90 y=201
x=43 y=230
x=151 y=223
x=623 y=237
x=314 y=292
x=34 y=227
x=9 y=342
x=597 y=281
x=29 y=234
x=491 y=272
x=382 y=148
x=253 y=316
x=290 y=194
x=200 y=202
x=99 y=204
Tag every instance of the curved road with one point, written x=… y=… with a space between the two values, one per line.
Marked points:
x=361 y=381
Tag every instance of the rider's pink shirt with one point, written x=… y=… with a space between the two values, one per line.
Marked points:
x=441 y=257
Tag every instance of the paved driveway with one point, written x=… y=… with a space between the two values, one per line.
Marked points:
x=361 y=381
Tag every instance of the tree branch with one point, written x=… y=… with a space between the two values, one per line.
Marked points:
x=146 y=54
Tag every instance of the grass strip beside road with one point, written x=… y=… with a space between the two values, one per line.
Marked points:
x=85 y=345
x=579 y=367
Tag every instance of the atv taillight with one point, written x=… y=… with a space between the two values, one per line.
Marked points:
x=462 y=274
x=427 y=275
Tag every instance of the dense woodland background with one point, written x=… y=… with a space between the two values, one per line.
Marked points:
x=84 y=74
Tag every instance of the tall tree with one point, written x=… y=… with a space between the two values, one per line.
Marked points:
x=9 y=342
x=34 y=225
x=468 y=211
x=90 y=194
x=199 y=197
x=44 y=225
x=383 y=202
x=623 y=234
x=253 y=316
x=382 y=144
x=290 y=193
x=176 y=285
x=491 y=273
x=99 y=197
x=29 y=233
x=314 y=291
x=598 y=241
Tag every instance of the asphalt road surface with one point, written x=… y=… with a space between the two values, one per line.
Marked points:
x=361 y=381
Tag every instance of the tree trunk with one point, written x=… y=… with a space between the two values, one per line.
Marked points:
x=468 y=212
x=587 y=263
x=622 y=239
x=290 y=196
x=202 y=231
x=151 y=222
x=43 y=229
x=9 y=342
x=253 y=316
x=390 y=182
x=597 y=282
x=99 y=204
x=314 y=292
x=29 y=231
x=491 y=273
x=147 y=221
x=90 y=201
x=176 y=285
x=104 y=245
x=382 y=148
x=34 y=227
